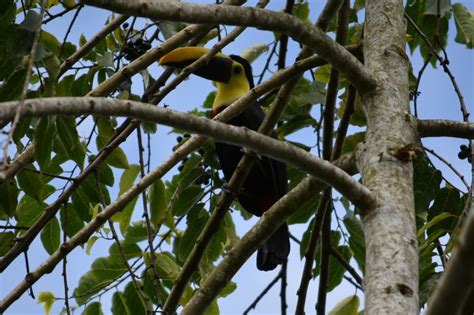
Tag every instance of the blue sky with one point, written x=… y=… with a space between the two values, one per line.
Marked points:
x=437 y=100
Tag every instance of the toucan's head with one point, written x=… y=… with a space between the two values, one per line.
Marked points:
x=232 y=74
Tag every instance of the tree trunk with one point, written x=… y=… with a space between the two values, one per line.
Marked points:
x=391 y=280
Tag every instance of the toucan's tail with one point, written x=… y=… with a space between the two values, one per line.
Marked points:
x=275 y=250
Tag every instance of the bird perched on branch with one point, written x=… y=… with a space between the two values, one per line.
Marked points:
x=267 y=180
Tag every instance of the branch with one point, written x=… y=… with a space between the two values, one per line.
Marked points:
x=262 y=294
x=347 y=266
x=300 y=31
x=249 y=243
x=254 y=141
x=11 y=169
x=453 y=288
x=445 y=128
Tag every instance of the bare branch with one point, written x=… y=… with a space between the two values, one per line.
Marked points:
x=445 y=128
x=301 y=31
x=264 y=145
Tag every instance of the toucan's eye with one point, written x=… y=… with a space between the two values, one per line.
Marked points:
x=237 y=69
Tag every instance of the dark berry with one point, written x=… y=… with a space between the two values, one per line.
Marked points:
x=463 y=147
x=179 y=139
x=186 y=135
x=125 y=25
x=463 y=154
x=180 y=168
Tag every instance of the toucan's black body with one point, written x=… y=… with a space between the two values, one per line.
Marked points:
x=267 y=180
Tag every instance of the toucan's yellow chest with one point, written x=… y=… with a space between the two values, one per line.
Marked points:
x=229 y=92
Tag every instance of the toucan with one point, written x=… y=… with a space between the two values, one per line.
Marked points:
x=268 y=179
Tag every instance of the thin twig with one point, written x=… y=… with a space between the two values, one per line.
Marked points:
x=283 y=272
x=27 y=266
x=448 y=164
x=65 y=282
x=346 y=265
x=444 y=63
x=325 y=247
x=76 y=14
x=262 y=294
x=146 y=215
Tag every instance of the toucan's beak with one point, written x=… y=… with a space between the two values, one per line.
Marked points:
x=219 y=68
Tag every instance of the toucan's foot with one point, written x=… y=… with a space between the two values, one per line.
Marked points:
x=251 y=153
x=228 y=189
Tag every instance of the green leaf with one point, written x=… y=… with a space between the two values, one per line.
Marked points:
x=228 y=289
x=464 y=25
x=29 y=210
x=253 y=52
x=432 y=7
x=64 y=87
x=8 y=9
x=158 y=202
x=356 y=239
x=351 y=142
x=50 y=236
x=212 y=309
x=166 y=266
x=186 y=200
x=105 y=174
x=81 y=86
x=7 y=240
x=48 y=299
x=50 y=42
x=426 y=183
x=69 y=139
x=195 y=224
x=13 y=87
x=72 y=222
x=90 y=242
x=87 y=196
x=106 y=61
x=94 y=308
x=304 y=212
x=126 y=182
x=133 y=300
x=137 y=232
x=130 y=250
x=119 y=305
x=442 y=216
x=44 y=140
x=209 y=100
x=348 y=306
x=31 y=184
x=103 y=271
x=169 y=28
x=294 y=124
x=301 y=10
x=8 y=198
x=447 y=200
x=307 y=93
x=32 y=21
x=128 y=177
